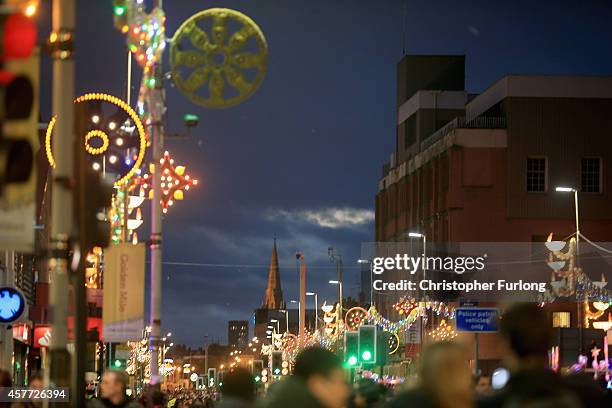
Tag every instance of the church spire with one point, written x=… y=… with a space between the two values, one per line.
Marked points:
x=274 y=293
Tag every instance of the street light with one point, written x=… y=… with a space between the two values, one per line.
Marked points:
x=277 y=324
x=316 y=296
x=575 y=191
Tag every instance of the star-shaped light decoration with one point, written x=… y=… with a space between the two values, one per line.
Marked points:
x=174 y=181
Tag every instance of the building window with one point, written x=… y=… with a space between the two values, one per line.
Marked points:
x=561 y=319
x=536 y=174
x=590 y=175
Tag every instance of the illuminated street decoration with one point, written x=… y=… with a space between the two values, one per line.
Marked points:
x=203 y=62
x=93 y=271
x=330 y=318
x=439 y=308
x=115 y=139
x=443 y=332
x=174 y=181
x=569 y=279
x=393 y=343
x=355 y=317
x=123 y=201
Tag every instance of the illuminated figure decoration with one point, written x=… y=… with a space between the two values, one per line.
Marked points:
x=92 y=268
x=355 y=317
x=393 y=342
x=115 y=140
x=568 y=279
x=330 y=318
x=443 y=332
x=174 y=181
x=203 y=62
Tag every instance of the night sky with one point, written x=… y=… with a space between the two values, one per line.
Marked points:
x=301 y=158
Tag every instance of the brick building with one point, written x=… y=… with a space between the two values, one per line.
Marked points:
x=483 y=168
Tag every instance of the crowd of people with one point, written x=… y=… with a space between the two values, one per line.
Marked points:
x=444 y=380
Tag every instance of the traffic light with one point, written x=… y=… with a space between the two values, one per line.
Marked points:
x=19 y=73
x=367 y=344
x=94 y=193
x=120 y=15
x=256 y=367
x=212 y=374
x=277 y=362
x=119 y=363
x=351 y=348
x=285 y=367
x=220 y=377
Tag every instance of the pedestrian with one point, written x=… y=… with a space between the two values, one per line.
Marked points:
x=482 y=385
x=445 y=380
x=367 y=394
x=113 y=391
x=526 y=336
x=238 y=389
x=317 y=382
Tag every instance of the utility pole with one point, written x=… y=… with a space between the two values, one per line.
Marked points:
x=62 y=45
x=156 y=130
x=302 y=303
x=206 y=354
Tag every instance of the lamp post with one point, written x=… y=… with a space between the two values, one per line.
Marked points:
x=339 y=283
x=335 y=256
x=286 y=312
x=424 y=267
x=561 y=189
x=316 y=299
x=367 y=261
x=575 y=191
x=277 y=324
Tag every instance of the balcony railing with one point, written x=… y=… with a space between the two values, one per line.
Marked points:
x=480 y=122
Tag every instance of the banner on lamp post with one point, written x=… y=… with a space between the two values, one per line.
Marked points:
x=124 y=274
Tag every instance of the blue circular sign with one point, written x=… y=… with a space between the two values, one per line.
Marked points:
x=12 y=305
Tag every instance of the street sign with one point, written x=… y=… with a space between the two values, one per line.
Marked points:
x=12 y=304
x=477 y=319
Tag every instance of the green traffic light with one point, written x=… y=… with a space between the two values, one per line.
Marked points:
x=277 y=371
x=366 y=355
x=117 y=363
x=119 y=10
x=352 y=360
x=257 y=379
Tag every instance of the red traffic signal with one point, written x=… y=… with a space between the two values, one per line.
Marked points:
x=18 y=36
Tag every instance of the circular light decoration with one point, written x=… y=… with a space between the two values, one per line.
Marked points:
x=92 y=134
x=355 y=317
x=394 y=342
x=115 y=137
x=12 y=305
x=223 y=68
